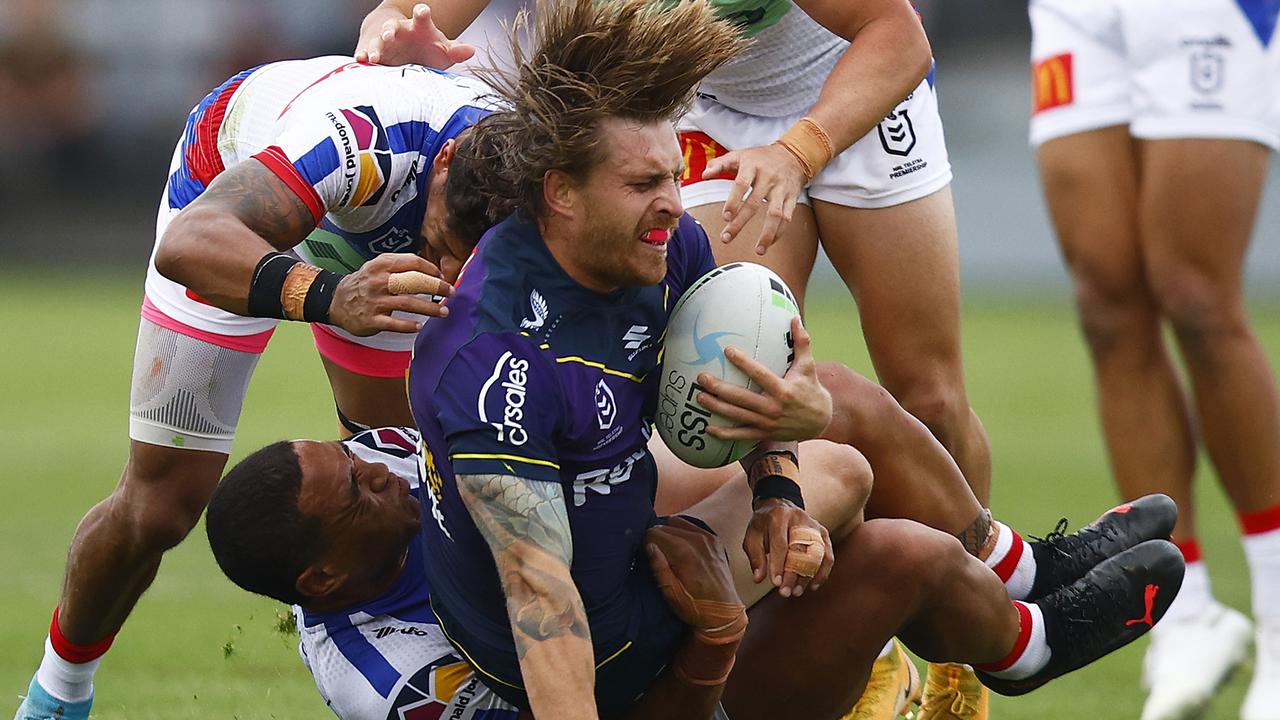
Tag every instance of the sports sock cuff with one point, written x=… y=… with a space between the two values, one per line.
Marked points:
x=73 y=652
x=1030 y=651
x=1190 y=549
x=1260 y=521
x=1012 y=561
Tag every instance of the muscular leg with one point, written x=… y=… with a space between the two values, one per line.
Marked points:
x=1091 y=185
x=891 y=577
x=901 y=265
x=1197 y=208
x=369 y=401
x=915 y=477
x=117 y=547
x=792 y=256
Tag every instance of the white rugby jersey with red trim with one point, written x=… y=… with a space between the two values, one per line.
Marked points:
x=354 y=141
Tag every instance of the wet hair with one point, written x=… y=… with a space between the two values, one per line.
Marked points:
x=593 y=60
x=259 y=537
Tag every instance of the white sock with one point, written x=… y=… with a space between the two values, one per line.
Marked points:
x=1193 y=601
x=888 y=648
x=66 y=681
x=1262 y=550
x=1013 y=561
x=1031 y=651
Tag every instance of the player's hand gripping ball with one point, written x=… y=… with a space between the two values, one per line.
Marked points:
x=742 y=305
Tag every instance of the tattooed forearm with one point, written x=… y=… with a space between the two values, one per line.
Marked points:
x=975 y=536
x=262 y=201
x=526 y=525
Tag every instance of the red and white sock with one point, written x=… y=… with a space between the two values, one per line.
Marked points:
x=1030 y=651
x=1012 y=560
x=66 y=671
x=1262 y=550
x=1196 y=596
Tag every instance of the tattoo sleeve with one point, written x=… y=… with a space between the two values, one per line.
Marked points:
x=263 y=202
x=526 y=525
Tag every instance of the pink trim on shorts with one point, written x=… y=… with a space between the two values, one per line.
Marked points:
x=255 y=343
x=360 y=359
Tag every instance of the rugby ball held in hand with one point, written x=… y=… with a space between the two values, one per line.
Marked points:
x=740 y=305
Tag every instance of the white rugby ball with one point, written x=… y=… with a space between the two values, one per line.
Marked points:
x=742 y=305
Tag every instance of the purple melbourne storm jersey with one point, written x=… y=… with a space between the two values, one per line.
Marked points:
x=535 y=376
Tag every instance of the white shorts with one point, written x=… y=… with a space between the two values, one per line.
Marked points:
x=903 y=159
x=1167 y=68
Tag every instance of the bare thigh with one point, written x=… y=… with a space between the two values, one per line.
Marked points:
x=370 y=401
x=901 y=265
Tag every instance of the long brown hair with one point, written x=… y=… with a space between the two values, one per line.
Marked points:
x=592 y=59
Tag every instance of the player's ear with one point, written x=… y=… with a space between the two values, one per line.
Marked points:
x=559 y=193
x=317 y=583
x=445 y=156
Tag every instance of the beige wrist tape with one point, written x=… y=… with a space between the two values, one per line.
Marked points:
x=293 y=295
x=809 y=144
x=773 y=464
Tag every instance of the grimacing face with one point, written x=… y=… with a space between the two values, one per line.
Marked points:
x=631 y=204
x=367 y=515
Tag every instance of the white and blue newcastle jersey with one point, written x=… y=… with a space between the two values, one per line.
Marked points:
x=387 y=659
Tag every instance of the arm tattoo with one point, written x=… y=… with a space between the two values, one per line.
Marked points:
x=526 y=525
x=975 y=536
x=263 y=202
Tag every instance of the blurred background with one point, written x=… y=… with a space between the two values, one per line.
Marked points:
x=93 y=94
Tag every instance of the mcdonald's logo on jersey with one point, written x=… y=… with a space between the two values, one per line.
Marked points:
x=700 y=149
x=1052 y=83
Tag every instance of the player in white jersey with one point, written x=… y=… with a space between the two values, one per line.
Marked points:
x=372 y=644
x=1154 y=121
x=295 y=191
x=866 y=174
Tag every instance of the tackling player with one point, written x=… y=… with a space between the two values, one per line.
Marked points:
x=825 y=127
x=1154 y=123
x=296 y=189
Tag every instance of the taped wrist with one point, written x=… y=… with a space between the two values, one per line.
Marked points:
x=708 y=663
x=809 y=144
x=267 y=282
x=308 y=293
x=773 y=475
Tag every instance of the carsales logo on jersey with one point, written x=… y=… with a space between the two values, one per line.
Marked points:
x=510 y=378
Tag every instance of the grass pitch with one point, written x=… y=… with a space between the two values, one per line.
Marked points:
x=197 y=647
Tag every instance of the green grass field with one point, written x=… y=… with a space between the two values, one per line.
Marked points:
x=197 y=647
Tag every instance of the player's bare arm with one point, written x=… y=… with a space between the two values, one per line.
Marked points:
x=887 y=57
x=217 y=247
x=406 y=31
x=526 y=524
x=214 y=244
